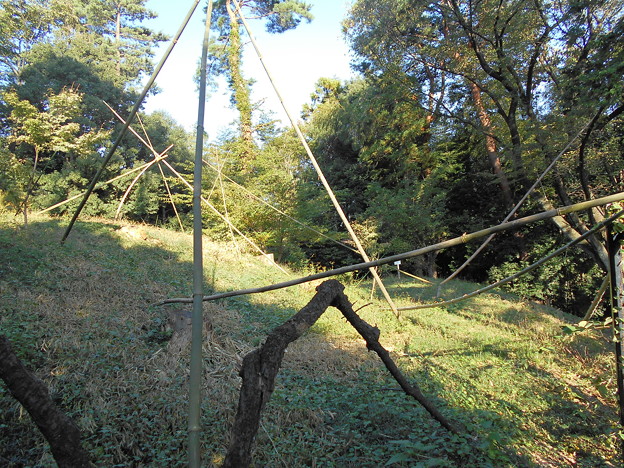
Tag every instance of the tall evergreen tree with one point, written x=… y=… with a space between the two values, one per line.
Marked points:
x=279 y=16
x=100 y=47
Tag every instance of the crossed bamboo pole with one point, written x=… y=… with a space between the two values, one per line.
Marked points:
x=316 y=166
x=422 y=251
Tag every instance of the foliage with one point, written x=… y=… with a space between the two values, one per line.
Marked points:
x=53 y=131
x=514 y=79
x=371 y=143
x=13 y=180
x=564 y=282
x=227 y=52
x=100 y=47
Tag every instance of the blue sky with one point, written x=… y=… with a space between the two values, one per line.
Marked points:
x=296 y=59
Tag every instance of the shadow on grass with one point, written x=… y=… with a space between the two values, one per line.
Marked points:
x=80 y=314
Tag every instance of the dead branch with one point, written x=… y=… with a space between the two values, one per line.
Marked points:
x=260 y=368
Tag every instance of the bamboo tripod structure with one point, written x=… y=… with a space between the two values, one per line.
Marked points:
x=317 y=168
x=202 y=199
x=133 y=113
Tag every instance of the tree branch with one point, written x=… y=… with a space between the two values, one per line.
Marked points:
x=58 y=429
x=260 y=368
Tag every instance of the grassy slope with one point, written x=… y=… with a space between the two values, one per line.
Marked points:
x=82 y=316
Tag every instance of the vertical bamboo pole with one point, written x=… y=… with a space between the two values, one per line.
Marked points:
x=124 y=129
x=319 y=172
x=194 y=423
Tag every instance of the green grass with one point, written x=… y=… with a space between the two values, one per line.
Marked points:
x=82 y=317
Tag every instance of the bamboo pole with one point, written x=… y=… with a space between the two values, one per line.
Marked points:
x=101 y=184
x=319 y=172
x=173 y=205
x=225 y=210
x=415 y=253
x=524 y=271
x=415 y=277
x=194 y=420
x=614 y=246
x=124 y=129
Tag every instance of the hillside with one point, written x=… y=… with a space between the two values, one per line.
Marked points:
x=82 y=316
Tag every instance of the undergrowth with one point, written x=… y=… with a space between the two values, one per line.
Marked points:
x=82 y=316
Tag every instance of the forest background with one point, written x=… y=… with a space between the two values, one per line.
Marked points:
x=457 y=109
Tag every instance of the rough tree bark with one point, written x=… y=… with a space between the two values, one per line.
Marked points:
x=260 y=368
x=58 y=429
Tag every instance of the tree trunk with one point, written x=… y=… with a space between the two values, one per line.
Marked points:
x=58 y=429
x=30 y=187
x=490 y=145
x=118 y=39
x=260 y=368
x=240 y=88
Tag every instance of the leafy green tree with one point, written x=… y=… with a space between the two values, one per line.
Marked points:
x=523 y=59
x=46 y=134
x=100 y=47
x=375 y=147
x=23 y=24
x=518 y=80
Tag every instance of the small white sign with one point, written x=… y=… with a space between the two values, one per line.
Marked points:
x=397 y=263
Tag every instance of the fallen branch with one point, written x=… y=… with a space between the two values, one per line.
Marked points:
x=260 y=368
x=58 y=429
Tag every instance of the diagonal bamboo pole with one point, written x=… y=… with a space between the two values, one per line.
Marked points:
x=319 y=172
x=173 y=205
x=124 y=129
x=101 y=184
x=225 y=209
x=415 y=253
x=599 y=295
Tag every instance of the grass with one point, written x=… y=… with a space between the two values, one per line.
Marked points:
x=82 y=316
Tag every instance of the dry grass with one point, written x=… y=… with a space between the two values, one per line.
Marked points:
x=82 y=317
